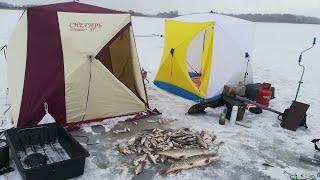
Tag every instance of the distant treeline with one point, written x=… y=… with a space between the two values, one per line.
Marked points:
x=170 y=14
x=276 y=18
x=4 y=5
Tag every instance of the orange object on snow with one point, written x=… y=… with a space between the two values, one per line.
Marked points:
x=196 y=81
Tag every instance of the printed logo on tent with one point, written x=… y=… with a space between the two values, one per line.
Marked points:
x=78 y=26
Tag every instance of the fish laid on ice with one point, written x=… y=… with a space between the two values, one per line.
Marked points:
x=191 y=162
x=139 y=160
x=185 y=153
x=184 y=147
x=133 y=140
x=176 y=144
x=153 y=158
x=206 y=136
x=152 y=121
x=138 y=164
x=132 y=149
x=121 y=131
x=139 y=150
x=200 y=141
x=139 y=168
x=170 y=144
x=143 y=139
x=165 y=136
x=123 y=149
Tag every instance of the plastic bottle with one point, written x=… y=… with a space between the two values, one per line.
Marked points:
x=234 y=114
x=222 y=117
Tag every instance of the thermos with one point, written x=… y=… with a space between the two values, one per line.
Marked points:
x=241 y=112
x=234 y=114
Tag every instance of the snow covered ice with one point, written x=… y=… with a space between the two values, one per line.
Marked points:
x=275 y=60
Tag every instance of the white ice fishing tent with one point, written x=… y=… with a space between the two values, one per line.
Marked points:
x=202 y=53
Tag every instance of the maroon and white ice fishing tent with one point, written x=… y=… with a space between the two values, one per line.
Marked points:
x=80 y=59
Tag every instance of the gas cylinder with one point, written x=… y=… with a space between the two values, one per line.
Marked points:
x=264 y=94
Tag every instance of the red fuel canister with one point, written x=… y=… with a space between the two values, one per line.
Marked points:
x=264 y=94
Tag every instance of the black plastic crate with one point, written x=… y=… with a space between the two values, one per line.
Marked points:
x=20 y=140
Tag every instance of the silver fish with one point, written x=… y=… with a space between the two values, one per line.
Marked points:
x=165 y=136
x=170 y=144
x=121 y=131
x=176 y=144
x=143 y=139
x=139 y=159
x=191 y=162
x=146 y=142
x=139 y=168
x=185 y=153
x=152 y=158
x=207 y=136
x=132 y=141
x=132 y=149
x=200 y=141
x=152 y=121
x=123 y=149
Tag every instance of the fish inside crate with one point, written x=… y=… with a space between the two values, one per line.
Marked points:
x=46 y=151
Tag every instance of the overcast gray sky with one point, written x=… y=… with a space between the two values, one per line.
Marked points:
x=301 y=7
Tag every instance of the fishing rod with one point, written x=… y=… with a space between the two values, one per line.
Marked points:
x=303 y=67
